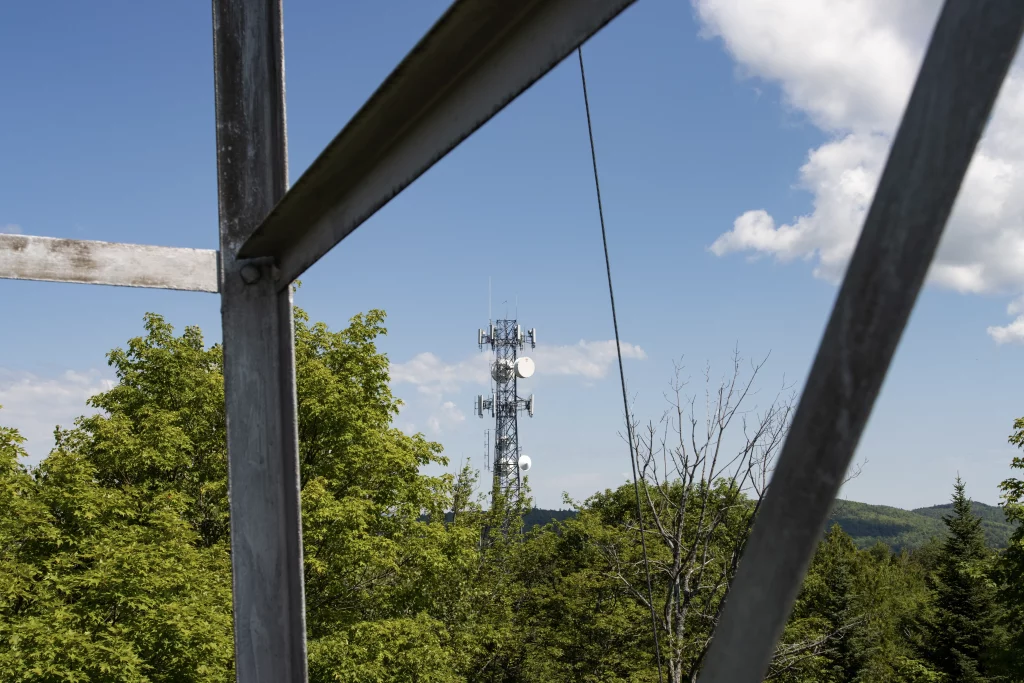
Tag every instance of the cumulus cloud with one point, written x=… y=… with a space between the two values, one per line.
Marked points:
x=849 y=67
x=585 y=359
x=431 y=375
x=35 y=405
x=446 y=416
x=1014 y=332
x=589 y=359
x=434 y=379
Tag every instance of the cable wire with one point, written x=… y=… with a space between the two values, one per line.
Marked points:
x=622 y=372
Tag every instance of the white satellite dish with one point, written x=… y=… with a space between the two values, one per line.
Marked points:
x=525 y=463
x=502 y=370
x=525 y=367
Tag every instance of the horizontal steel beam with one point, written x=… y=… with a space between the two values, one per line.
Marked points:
x=476 y=59
x=970 y=52
x=25 y=257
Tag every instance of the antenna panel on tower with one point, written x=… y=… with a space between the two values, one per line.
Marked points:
x=506 y=339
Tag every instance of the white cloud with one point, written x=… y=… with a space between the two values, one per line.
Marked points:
x=446 y=416
x=432 y=375
x=849 y=67
x=434 y=379
x=10 y=229
x=35 y=405
x=586 y=359
x=1007 y=334
x=1014 y=332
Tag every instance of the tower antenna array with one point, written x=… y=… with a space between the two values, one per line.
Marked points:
x=506 y=338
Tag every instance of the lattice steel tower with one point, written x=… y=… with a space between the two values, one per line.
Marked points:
x=507 y=463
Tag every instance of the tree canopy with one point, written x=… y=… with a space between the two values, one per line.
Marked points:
x=115 y=554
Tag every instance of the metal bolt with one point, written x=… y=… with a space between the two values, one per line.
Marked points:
x=250 y=274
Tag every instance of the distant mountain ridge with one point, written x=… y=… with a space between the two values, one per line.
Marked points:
x=897 y=528
x=870 y=524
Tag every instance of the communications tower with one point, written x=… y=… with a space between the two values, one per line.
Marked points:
x=507 y=463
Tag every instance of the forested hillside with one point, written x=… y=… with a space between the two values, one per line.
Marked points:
x=871 y=524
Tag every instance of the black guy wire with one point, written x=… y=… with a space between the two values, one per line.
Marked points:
x=622 y=372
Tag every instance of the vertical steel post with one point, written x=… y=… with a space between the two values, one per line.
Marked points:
x=259 y=363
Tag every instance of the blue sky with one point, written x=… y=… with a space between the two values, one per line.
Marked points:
x=704 y=114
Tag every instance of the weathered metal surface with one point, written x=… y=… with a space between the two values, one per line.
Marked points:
x=969 y=55
x=259 y=364
x=475 y=60
x=26 y=257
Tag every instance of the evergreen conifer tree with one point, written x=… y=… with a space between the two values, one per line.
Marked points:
x=962 y=632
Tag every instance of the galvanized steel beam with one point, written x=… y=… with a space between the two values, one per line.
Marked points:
x=476 y=59
x=259 y=362
x=27 y=257
x=968 y=57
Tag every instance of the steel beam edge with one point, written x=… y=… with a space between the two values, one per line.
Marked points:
x=51 y=259
x=477 y=58
x=258 y=334
x=972 y=46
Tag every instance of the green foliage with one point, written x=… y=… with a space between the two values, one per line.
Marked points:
x=127 y=577
x=1011 y=564
x=825 y=610
x=584 y=622
x=115 y=553
x=962 y=640
x=871 y=524
x=865 y=605
x=106 y=583
x=892 y=596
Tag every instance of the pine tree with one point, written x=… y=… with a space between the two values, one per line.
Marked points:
x=962 y=632
x=824 y=611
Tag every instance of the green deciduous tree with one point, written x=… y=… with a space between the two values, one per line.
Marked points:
x=113 y=582
x=116 y=548
x=1011 y=563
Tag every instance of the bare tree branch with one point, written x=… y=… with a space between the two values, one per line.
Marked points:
x=702 y=478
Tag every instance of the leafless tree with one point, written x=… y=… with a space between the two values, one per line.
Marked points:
x=702 y=478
